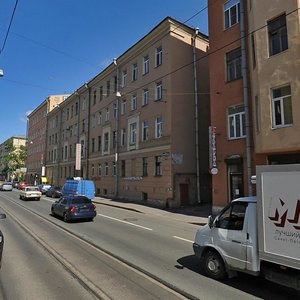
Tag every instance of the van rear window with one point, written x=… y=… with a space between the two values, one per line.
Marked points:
x=80 y=200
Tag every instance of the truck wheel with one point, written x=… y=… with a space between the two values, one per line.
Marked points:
x=213 y=265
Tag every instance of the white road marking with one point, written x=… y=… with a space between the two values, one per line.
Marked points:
x=125 y=222
x=180 y=238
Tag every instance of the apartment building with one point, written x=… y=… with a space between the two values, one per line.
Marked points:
x=136 y=123
x=36 y=134
x=15 y=142
x=274 y=47
x=254 y=70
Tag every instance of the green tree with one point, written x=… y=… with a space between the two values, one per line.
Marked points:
x=13 y=159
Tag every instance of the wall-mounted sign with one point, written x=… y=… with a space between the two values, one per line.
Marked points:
x=213 y=168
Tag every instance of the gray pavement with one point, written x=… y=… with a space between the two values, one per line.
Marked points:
x=196 y=214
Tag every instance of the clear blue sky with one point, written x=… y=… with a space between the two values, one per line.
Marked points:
x=55 y=46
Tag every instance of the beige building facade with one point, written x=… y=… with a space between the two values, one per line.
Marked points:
x=36 y=135
x=136 y=124
x=275 y=78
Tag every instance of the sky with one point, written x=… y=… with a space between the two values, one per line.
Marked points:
x=55 y=46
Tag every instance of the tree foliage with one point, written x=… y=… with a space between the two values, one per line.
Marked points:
x=13 y=158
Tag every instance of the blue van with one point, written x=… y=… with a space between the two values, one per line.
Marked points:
x=79 y=187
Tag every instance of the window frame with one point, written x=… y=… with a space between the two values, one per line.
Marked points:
x=238 y=118
x=232 y=7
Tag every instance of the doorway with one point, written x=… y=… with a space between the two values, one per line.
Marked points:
x=184 y=194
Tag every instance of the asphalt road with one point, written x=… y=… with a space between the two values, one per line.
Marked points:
x=152 y=245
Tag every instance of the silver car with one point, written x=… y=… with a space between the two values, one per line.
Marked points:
x=7 y=186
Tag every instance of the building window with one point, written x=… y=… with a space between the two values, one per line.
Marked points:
x=123 y=137
x=158 y=167
x=233 y=62
x=132 y=131
x=106 y=141
x=99 y=169
x=106 y=169
x=158 y=127
x=146 y=64
x=282 y=114
x=115 y=84
x=124 y=78
x=107 y=114
x=66 y=152
x=116 y=109
x=231 y=13
x=236 y=122
x=93 y=170
x=99 y=143
x=99 y=118
x=93 y=121
x=134 y=72
x=278 y=39
x=95 y=97
x=145 y=97
x=101 y=93
x=158 y=56
x=158 y=94
x=124 y=107
x=133 y=102
x=145 y=130
x=123 y=168
x=145 y=166
x=107 y=88
x=93 y=145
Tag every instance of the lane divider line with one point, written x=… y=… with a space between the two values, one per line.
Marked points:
x=180 y=238
x=128 y=223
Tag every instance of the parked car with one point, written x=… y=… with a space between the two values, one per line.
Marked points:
x=53 y=192
x=22 y=185
x=74 y=208
x=44 y=188
x=6 y=186
x=15 y=184
x=30 y=192
x=2 y=216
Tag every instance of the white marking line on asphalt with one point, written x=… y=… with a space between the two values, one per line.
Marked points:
x=180 y=238
x=125 y=222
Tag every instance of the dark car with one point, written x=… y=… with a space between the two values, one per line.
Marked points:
x=54 y=192
x=44 y=188
x=74 y=208
x=2 y=216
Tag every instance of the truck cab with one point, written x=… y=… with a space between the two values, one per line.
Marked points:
x=228 y=243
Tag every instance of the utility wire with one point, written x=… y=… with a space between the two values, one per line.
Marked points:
x=8 y=29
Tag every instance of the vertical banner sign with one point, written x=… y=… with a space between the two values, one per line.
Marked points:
x=213 y=168
x=78 y=157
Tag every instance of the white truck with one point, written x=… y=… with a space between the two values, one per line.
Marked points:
x=257 y=235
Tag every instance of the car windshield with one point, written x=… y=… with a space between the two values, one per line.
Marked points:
x=32 y=189
x=81 y=200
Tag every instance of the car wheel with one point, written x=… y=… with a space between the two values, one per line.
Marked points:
x=67 y=218
x=52 y=196
x=52 y=212
x=20 y=197
x=213 y=265
x=38 y=199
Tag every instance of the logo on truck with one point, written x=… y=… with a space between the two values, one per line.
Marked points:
x=280 y=221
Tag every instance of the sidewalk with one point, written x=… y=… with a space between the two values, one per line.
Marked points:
x=196 y=215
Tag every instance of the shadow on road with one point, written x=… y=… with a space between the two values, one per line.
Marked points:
x=256 y=286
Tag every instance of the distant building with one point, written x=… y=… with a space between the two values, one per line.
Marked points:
x=36 y=134
x=17 y=141
x=135 y=123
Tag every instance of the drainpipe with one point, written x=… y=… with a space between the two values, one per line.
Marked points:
x=196 y=114
x=87 y=148
x=245 y=96
x=118 y=95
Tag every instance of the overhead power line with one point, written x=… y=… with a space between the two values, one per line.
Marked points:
x=8 y=29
